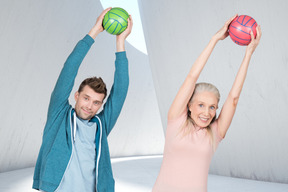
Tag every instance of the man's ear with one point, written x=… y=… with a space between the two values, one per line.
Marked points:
x=76 y=95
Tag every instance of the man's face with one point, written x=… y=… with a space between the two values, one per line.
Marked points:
x=88 y=102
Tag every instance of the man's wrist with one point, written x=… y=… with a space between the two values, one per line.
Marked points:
x=120 y=45
x=94 y=33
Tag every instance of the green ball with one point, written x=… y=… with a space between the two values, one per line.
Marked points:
x=115 y=21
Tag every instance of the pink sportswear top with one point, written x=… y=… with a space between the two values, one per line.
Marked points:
x=186 y=159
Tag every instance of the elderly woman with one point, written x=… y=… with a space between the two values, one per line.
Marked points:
x=193 y=131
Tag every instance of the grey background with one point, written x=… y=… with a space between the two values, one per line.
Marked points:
x=37 y=36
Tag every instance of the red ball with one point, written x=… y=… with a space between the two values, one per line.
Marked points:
x=240 y=28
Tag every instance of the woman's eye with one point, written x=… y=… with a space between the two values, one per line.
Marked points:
x=201 y=105
x=212 y=107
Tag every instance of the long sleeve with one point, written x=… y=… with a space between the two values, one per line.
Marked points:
x=115 y=101
x=66 y=79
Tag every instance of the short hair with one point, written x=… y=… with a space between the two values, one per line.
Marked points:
x=97 y=84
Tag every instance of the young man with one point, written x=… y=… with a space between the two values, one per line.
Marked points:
x=74 y=155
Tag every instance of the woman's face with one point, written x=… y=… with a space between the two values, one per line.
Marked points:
x=203 y=108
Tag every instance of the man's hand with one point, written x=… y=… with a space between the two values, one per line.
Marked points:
x=120 y=39
x=98 y=28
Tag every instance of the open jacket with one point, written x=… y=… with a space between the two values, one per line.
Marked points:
x=55 y=152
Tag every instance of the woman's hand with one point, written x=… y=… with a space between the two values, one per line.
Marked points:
x=254 y=41
x=223 y=32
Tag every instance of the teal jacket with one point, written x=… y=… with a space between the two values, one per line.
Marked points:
x=55 y=152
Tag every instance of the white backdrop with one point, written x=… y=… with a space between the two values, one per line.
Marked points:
x=176 y=32
x=36 y=38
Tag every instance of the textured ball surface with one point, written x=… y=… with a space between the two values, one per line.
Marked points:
x=240 y=28
x=115 y=21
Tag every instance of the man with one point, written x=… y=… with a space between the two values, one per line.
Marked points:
x=74 y=155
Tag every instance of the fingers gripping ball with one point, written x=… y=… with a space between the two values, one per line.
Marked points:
x=240 y=28
x=115 y=21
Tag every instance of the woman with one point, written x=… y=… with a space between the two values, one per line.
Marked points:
x=193 y=132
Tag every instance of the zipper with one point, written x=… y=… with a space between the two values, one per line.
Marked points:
x=98 y=158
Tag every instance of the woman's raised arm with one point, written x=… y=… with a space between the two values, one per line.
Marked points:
x=229 y=107
x=185 y=92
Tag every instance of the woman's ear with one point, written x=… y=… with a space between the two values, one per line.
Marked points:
x=189 y=105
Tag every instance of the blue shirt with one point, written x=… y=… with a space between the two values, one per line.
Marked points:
x=80 y=174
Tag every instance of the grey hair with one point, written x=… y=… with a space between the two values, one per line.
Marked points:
x=201 y=87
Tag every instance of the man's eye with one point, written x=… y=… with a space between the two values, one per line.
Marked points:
x=97 y=103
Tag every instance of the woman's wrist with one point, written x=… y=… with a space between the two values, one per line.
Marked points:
x=214 y=39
